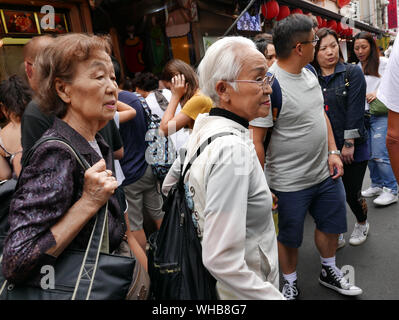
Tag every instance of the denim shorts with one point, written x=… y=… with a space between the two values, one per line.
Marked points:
x=326 y=204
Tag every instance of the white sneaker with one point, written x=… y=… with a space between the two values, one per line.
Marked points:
x=359 y=234
x=341 y=241
x=371 y=192
x=386 y=197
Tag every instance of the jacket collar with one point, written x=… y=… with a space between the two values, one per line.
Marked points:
x=339 y=67
x=81 y=144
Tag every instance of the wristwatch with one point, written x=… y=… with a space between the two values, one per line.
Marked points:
x=337 y=152
x=348 y=144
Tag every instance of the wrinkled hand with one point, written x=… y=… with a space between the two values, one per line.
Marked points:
x=99 y=184
x=347 y=154
x=335 y=164
x=371 y=97
x=179 y=86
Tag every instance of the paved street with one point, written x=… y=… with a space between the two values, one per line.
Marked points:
x=376 y=261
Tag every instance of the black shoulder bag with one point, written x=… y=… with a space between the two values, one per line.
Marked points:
x=78 y=275
x=175 y=255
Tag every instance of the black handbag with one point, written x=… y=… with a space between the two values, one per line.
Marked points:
x=175 y=253
x=78 y=275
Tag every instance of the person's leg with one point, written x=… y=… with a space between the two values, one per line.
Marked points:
x=292 y=208
x=329 y=211
x=392 y=141
x=380 y=154
x=353 y=180
x=373 y=144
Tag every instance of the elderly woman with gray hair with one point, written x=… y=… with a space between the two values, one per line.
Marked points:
x=232 y=201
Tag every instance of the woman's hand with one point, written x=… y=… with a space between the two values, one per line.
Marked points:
x=347 y=154
x=370 y=97
x=179 y=86
x=99 y=184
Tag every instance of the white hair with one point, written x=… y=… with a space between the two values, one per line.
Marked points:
x=222 y=61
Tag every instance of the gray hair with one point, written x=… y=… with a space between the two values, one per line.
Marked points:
x=222 y=61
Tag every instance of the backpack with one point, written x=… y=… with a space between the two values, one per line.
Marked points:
x=175 y=253
x=160 y=154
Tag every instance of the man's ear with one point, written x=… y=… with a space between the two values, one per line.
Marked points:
x=222 y=91
x=62 y=90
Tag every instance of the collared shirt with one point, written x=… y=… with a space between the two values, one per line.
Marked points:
x=49 y=186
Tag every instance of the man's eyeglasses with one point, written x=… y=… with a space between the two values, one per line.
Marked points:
x=268 y=80
x=313 y=42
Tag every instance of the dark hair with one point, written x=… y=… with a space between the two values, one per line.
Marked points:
x=322 y=33
x=373 y=61
x=287 y=32
x=261 y=45
x=175 y=67
x=145 y=81
x=117 y=70
x=128 y=84
x=59 y=60
x=15 y=95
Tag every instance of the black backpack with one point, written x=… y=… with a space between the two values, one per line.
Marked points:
x=175 y=255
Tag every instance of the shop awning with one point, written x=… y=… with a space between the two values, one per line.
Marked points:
x=316 y=10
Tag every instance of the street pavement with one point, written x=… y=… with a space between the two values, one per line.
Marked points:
x=375 y=262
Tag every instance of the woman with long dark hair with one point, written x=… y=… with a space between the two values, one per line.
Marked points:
x=344 y=90
x=383 y=182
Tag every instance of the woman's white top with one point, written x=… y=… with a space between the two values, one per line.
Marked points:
x=373 y=82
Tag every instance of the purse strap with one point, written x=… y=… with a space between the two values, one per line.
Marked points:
x=198 y=152
x=96 y=242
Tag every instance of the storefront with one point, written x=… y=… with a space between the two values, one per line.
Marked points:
x=20 y=20
x=147 y=33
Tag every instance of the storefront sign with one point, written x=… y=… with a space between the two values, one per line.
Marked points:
x=392 y=14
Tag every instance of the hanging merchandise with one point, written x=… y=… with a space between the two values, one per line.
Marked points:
x=158 y=47
x=340 y=29
x=297 y=10
x=283 y=13
x=133 y=50
x=332 y=24
x=270 y=10
x=319 y=21
x=343 y=3
x=178 y=23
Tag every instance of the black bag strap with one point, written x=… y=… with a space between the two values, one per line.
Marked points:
x=88 y=268
x=201 y=148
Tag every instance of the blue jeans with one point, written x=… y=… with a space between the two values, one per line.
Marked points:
x=381 y=173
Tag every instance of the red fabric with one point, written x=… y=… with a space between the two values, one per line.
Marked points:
x=332 y=24
x=297 y=11
x=343 y=3
x=133 y=55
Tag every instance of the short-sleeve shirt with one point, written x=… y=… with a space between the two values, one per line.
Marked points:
x=298 y=151
x=133 y=134
x=196 y=105
x=389 y=87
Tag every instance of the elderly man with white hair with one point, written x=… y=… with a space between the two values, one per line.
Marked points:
x=232 y=201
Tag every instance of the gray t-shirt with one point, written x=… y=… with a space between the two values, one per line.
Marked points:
x=297 y=156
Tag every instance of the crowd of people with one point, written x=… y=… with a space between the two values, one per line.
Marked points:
x=314 y=133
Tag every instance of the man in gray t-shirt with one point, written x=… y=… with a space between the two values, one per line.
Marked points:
x=303 y=165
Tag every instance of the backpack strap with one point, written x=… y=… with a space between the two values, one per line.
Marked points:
x=199 y=151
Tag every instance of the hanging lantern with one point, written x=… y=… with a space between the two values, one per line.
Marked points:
x=272 y=10
x=297 y=10
x=332 y=24
x=324 y=24
x=283 y=13
x=343 y=3
x=263 y=9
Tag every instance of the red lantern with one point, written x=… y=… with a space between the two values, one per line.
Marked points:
x=263 y=7
x=284 y=13
x=324 y=23
x=299 y=11
x=272 y=10
x=343 y=3
x=332 y=24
